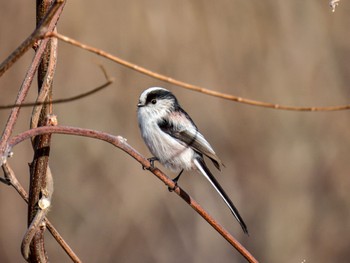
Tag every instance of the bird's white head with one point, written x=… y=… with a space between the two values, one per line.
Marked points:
x=156 y=102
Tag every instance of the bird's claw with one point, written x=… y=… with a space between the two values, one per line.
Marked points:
x=170 y=189
x=175 y=182
x=151 y=160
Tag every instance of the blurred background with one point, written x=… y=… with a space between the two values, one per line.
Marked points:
x=287 y=172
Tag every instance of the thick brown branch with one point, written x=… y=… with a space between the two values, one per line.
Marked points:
x=123 y=145
x=41 y=182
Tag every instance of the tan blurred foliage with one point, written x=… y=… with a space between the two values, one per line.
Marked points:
x=287 y=172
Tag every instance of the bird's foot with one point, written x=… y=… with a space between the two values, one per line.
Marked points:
x=151 y=160
x=175 y=182
x=175 y=185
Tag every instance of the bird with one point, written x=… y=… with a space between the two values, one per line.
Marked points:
x=175 y=141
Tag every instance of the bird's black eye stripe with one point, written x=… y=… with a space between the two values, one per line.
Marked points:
x=153 y=96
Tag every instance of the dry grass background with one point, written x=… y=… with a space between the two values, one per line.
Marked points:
x=287 y=172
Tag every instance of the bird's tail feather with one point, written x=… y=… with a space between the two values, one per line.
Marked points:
x=202 y=167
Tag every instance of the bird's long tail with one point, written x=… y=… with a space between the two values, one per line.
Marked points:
x=202 y=167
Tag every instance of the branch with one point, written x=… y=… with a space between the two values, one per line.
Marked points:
x=41 y=182
x=185 y=85
x=121 y=143
x=29 y=75
x=38 y=223
x=11 y=179
x=51 y=18
x=108 y=82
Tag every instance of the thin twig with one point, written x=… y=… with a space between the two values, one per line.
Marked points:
x=28 y=78
x=13 y=181
x=62 y=242
x=109 y=81
x=22 y=95
x=121 y=143
x=45 y=89
x=185 y=85
x=51 y=17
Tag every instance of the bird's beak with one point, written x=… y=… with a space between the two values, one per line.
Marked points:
x=139 y=105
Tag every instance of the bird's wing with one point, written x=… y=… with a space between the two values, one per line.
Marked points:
x=188 y=134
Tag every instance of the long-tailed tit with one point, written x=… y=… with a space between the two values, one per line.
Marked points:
x=174 y=140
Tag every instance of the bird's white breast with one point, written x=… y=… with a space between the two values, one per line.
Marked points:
x=170 y=152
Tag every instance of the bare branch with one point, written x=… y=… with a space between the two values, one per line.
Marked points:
x=46 y=84
x=28 y=78
x=121 y=143
x=38 y=221
x=41 y=182
x=47 y=24
x=108 y=82
x=62 y=242
x=12 y=180
x=185 y=85
x=37 y=186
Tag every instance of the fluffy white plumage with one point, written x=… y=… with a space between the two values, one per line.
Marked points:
x=173 y=138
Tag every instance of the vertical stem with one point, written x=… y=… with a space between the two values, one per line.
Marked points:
x=41 y=144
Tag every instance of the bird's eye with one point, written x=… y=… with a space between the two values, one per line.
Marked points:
x=154 y=101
